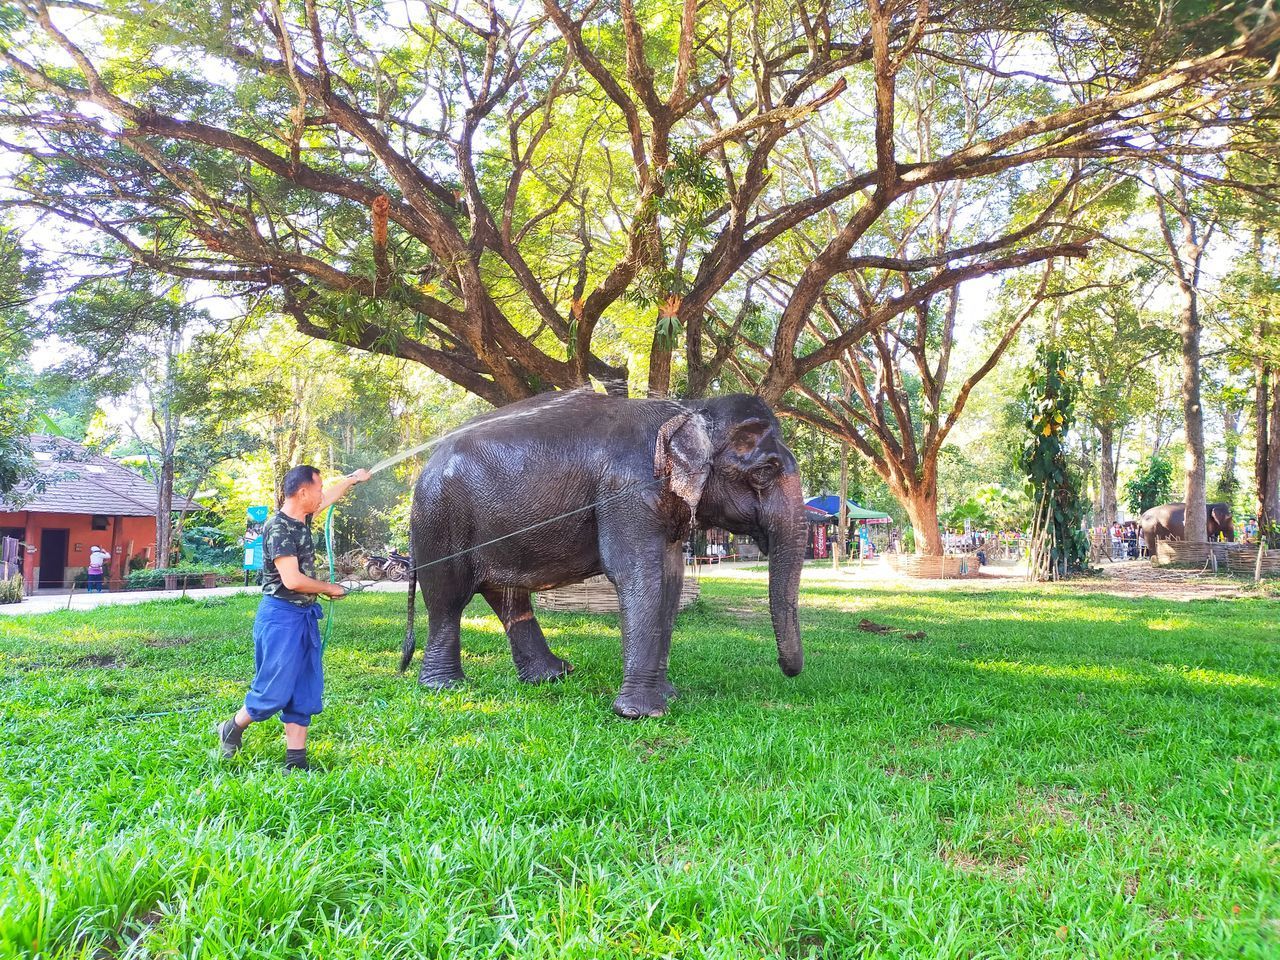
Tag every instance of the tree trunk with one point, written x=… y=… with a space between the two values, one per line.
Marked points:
x=1231 y=441
x=1267 y=419
x=1261 y=458
x=659 y=368
x=660 y=350
x=1196 y=529
x=922 y=509
x=842 y=535
x=164 y=514
x=1271 y=494
x=1108 y=468
x=168 y=449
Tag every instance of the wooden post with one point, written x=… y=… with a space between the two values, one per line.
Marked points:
x=113 y=563
x=842 y=535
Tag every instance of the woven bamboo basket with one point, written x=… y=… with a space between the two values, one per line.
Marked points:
x=598 y=595
x=950 y=567
x=1242 y=561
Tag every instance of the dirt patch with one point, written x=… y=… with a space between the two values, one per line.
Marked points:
x=1132 y=882
x=1139 y=578
x=1002 y=868
x=870 y=626
x=1071 y=807
x=162 y=642
x=98 y=661
x=654 y=749
x=925 y=777
x=951 y=733
x=123 y=940
x=1062 y=807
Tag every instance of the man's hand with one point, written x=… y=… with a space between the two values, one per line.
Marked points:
x=335 y=492
x=294 y=579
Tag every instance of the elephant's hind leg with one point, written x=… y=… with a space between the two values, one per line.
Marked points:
x=442 y=659
x=535 y=663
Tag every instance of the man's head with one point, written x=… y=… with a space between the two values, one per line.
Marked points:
x=302 y=488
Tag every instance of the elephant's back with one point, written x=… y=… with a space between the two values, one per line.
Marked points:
x=575 y=431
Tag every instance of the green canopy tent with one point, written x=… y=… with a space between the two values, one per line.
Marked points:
x=830 y=505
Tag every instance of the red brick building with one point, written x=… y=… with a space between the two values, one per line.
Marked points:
x=85 y=500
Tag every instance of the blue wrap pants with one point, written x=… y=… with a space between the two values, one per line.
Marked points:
x=286 y=655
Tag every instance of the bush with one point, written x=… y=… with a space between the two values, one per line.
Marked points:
x=210 y=547
x=11 y=589
x=189 y=578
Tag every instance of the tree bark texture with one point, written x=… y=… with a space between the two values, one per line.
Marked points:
x=1107 y=471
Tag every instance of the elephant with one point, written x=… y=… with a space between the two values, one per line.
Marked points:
x=1165 y=522
x=551 y=490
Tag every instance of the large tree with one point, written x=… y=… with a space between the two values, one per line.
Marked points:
x=1187 y=226
x=1110 y=328
x=141 y=343
x=18 y=409
x=530 y=198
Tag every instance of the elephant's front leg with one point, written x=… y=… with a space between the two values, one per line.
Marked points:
x=649 y=596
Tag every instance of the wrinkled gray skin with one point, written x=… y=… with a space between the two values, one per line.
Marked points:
x=651 y=467
x=1166 y=522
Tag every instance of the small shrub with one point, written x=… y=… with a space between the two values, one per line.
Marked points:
x=189 y=578
x=11 y=590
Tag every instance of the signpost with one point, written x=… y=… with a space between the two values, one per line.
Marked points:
x=255 y=517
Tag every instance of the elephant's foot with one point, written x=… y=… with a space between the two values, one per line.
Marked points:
x=668 y=689
x=634 y=704
x=441 y=679
x=544 y=671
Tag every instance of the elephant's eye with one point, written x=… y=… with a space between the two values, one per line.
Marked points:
x=764 y=474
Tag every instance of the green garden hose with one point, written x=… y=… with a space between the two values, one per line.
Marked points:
x=328 y=547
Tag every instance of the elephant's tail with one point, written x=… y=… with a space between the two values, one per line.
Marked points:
x=410 y=642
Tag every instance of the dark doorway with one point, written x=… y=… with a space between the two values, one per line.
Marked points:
x=53 y=557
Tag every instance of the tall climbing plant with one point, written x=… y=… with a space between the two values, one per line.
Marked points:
x=1059 y=546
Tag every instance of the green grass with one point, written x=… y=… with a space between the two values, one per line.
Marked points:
x=1045 y=774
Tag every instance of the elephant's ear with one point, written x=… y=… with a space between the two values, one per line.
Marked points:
x=682 y=454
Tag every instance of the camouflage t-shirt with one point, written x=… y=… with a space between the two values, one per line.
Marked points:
x=283 y=536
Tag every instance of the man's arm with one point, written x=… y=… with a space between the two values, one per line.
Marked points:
x=297 y=581
x=335 y=492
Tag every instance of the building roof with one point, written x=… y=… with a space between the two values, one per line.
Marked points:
x=76 y=480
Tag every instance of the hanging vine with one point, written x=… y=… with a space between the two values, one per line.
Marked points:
x=1059 y=545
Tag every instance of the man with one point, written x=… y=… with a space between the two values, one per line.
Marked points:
x=286 y=631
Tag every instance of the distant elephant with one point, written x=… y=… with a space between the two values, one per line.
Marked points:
x=1166 y=522
x=599 y=484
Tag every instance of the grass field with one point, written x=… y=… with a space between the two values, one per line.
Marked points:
x=1044 y=774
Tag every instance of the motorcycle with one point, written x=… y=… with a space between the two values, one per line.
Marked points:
x=395 y=566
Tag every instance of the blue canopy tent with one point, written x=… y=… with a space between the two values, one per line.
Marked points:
x=830 y=506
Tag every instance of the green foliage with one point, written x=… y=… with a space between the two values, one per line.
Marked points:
x=12 y=589
x=210 y=546
x=1048 y=399
x=990 y=785
x=19 y=410
x=992 y=507
x=1150 y=486
x=190 y=577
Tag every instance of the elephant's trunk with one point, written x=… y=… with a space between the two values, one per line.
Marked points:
x=784 y=520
